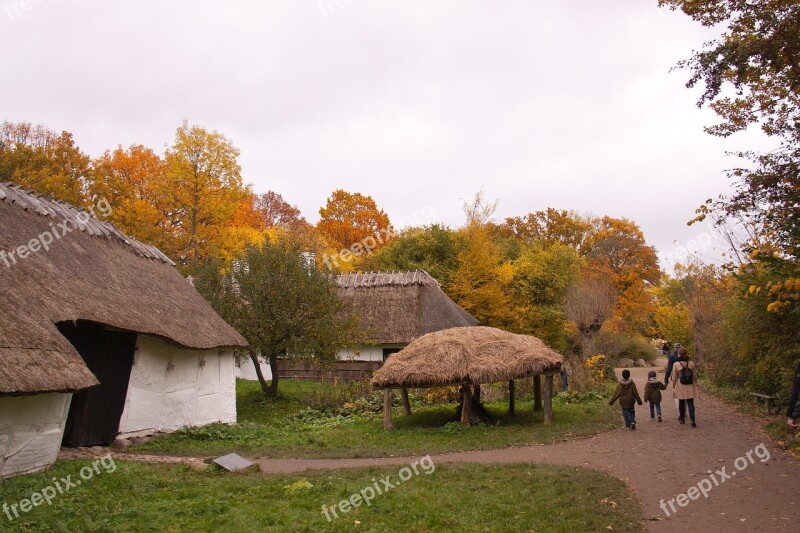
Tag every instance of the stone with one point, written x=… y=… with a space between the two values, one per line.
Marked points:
x=625 y=363
x=233 y=462
x=641 y=363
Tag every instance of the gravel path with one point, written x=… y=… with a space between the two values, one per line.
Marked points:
x=658 y=462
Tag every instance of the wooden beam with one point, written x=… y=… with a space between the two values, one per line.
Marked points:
x=548 y=399
x=466 y=409
x=537 y=393
x=511 y=400
x=406 y=402
x=387 y=409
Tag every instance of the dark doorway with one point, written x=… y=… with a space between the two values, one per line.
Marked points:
x=389 y=351
x=95 y=413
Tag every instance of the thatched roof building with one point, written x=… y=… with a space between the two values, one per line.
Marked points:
x=398 y=307
x=469 y=356
x=93 y=273
x=85 y=309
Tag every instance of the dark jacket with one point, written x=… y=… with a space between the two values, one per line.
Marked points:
x=670 y=363
x=627 y=394
x=652 y=391
x=793 y=411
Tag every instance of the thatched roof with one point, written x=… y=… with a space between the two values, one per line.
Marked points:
x=398 y=307
x=93 y=273
x=466 y=355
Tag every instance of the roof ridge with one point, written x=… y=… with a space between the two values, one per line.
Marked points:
x=29 y=200
x=385 y=279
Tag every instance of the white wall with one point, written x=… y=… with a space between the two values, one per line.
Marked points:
x=365 y=353
x=170 y=388
x=31 y=429
x=246 y=370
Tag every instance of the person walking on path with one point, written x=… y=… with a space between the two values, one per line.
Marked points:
x=793 y=412
x=652 y=394
x=684 y=386
x=628 y=395
x=673 y=357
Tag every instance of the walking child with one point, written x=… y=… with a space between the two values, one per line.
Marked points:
x=652 y=394
x=628 y=396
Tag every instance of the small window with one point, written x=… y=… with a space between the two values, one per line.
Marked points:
x=389 y=351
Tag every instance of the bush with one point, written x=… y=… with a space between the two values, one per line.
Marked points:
x=617 y=346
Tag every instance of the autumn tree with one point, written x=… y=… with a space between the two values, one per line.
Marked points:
x=541 y=278
x=349 y=218
x=133 y=182
x=550 y=227
x=617 y=251
x=589 y=304
x=281 y=305
x=275 y=211
x=481 y=278
x=203 y=190
x=34 y=157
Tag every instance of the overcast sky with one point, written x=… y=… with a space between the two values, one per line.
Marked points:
x=420 y=104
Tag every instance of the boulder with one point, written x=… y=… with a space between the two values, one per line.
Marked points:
x=624 y=363
x=641 y=363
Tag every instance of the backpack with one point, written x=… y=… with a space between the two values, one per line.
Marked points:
x=685 y=375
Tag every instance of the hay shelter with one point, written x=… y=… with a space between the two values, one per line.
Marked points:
x=469 y=357
x=100 y=336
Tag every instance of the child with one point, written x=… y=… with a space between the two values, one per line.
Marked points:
x=628 y=394
x=652 y=394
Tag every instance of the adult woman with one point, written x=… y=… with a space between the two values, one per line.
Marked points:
x=684 y=385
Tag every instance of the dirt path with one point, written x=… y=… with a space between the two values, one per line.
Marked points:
x=658 y=461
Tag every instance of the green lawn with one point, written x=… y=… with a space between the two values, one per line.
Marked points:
x=142 y=498
x=269 y=429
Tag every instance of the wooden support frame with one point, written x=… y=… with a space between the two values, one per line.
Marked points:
x=537 y=393
x=387 y=409
x=406 y=402
x=548 y=399
x=466 y=409
x=512 y=389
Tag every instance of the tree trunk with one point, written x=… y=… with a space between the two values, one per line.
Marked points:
x=587 y=345
x=264 y=387
x=273 y=386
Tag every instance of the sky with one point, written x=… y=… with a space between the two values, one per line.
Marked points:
x=537 y=104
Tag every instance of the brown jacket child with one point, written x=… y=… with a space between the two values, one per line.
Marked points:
x=652 y=394
x=628 y=396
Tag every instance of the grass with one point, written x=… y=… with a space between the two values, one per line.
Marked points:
x=269 y=430
x=144 y=498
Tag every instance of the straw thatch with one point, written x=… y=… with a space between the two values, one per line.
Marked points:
x=466 y=355
x=93 y=273
x=398 y=307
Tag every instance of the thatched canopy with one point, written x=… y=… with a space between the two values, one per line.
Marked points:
x=398 y=307
x=93 y=273
x=473 y=355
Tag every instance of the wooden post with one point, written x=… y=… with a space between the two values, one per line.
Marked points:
x=406 y=402
x=548 y=399
x=466 y=410
x=537 y=393
x=387 y=409
x=511 y=393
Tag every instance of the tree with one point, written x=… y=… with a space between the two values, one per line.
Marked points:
x=34 y=157
x=616 y=250
x=432 y=248
x=349 y=218
x=276 y=211
x=281 y=305
x=133 y=182
x=204 y=190
x=550 y=227
x=542 y=277
x=589 y=304
x=758 y=57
